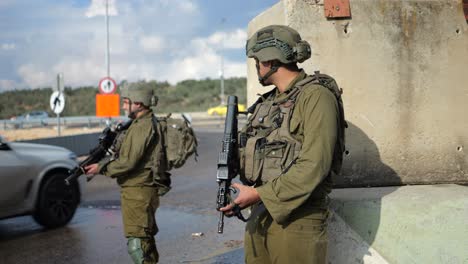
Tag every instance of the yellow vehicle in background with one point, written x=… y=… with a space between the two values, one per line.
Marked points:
x=221 y=110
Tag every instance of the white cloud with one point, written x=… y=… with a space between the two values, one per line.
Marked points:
x=201 y=58
x=8 y=46
x=152 y=40
x=187 y=6
x=153 y=44
x=229 y=40
x=98 y=8
x=34 y=77
x=184 y=6
x=222 y=40
x=80 y=71
x=235 y=69
x=6 y=85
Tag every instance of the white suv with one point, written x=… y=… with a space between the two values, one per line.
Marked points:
x=32 y=182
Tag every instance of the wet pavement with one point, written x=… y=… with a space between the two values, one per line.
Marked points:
x=95 y=236
x=95 y=233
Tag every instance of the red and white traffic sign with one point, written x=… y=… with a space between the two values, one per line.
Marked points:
x=107 y=85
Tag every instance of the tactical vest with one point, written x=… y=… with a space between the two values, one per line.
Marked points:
x=266 y=147
x=121 y=130
x=117 y=144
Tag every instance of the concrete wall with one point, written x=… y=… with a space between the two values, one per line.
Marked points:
x=403 y=66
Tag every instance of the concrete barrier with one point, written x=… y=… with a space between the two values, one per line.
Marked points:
x=79 y=144
x=402 y=65
x=410 y=224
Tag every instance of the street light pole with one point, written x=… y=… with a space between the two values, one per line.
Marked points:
x=107 y=31
x=108 y=48
x=222 y=80
x=221 y=71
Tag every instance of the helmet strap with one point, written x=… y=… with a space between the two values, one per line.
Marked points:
x=274 y=68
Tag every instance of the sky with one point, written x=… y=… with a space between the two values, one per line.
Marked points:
x=163 y=40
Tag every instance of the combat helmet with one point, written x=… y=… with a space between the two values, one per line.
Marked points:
x=136 y=93
x=277 y=42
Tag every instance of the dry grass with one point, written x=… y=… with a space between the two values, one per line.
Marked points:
x=33 y=133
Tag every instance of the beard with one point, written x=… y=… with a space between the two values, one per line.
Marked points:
x=130 y=114
x=264 y=82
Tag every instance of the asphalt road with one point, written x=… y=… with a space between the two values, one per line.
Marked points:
x=95 y=233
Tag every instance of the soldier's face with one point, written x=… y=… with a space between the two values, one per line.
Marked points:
x=126 y=106
x=130 y=108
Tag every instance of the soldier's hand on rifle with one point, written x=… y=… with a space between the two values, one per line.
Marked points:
x=92 y=169
x=247 y=196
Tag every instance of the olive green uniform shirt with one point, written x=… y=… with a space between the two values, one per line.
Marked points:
x=314 y=122
x=132 y=168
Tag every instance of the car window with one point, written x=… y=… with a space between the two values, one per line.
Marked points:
x=35 y=114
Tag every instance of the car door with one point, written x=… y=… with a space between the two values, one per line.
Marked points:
x=14 y=178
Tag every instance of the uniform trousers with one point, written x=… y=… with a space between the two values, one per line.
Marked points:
x=139 y=206
x=302 y=239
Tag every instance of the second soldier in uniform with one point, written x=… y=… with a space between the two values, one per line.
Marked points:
x=138 y=172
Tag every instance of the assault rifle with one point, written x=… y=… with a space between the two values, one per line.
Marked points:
x=228 y=162
x=106 y=139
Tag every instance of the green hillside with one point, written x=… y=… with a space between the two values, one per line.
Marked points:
x=188 y=95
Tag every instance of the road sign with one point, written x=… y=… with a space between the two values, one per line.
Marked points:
x=107 y=85
x=57 y=102
x=107 y=105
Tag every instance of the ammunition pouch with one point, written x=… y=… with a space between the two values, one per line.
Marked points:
x=262 y=161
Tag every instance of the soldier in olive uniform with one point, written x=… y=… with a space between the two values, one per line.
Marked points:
x=133 y=166
x=289 y=150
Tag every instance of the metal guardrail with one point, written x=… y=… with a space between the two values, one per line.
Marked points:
x=92 y=121
x=89 y=121
x=81 y=144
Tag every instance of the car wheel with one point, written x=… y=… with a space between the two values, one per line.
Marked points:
x=57 y=201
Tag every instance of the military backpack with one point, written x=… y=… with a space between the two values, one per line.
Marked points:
x=179 y=140
x=176 y=143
